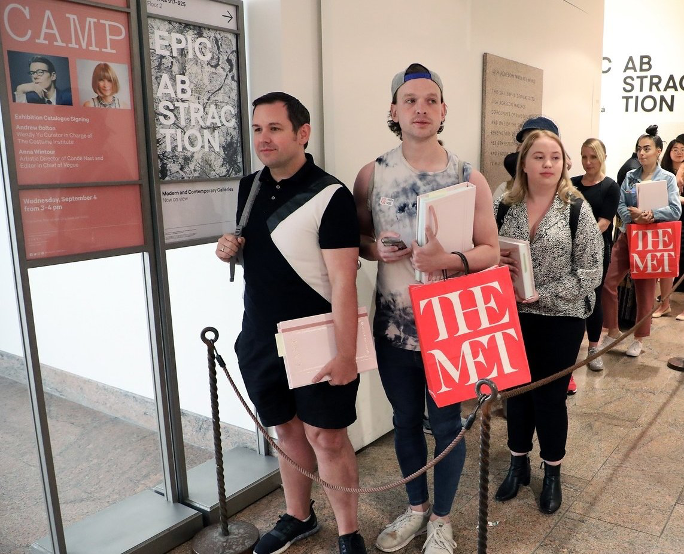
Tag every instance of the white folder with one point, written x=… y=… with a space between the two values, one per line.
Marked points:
x=651 y=195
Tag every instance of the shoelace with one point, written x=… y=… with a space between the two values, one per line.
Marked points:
x=440 y=540
x=402 y=521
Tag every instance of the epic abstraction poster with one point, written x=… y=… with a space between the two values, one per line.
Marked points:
x=196 y=101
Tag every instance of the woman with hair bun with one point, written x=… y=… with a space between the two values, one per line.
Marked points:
x=673 y=161
x=603 y=195
x=649 y=147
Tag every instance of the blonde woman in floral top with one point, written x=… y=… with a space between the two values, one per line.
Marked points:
x=566 y=272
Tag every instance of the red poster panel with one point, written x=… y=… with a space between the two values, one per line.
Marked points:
x=654 y=249
x=68 y=73
x=65 y=221
x=468 y=329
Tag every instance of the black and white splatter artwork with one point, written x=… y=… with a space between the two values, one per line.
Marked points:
x=196 y=101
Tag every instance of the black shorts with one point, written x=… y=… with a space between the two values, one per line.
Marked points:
x=263 y=372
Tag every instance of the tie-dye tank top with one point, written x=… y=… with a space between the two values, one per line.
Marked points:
x=396 y=185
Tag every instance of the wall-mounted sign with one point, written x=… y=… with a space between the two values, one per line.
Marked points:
x=198 y=210
x=511 y=93
x=208 y=12
x=64 y=63
x=75 y=220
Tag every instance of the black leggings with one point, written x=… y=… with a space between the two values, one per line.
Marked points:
x=552 y=344
x=595 y=320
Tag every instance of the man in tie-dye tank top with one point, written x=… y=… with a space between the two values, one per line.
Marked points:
x=385 y=192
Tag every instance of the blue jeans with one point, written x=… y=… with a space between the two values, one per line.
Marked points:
x=403 y=379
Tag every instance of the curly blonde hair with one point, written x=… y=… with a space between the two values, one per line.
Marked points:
x=565 y=190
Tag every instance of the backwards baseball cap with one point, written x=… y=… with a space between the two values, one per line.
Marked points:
x=415 y=71
x=537 y=123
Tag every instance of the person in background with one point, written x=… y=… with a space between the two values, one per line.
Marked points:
x=672 y=162
x=631 y=163
x=552 y=321
x=386 y=192
x=649 y=147
x=603 y=195
x=511 y=160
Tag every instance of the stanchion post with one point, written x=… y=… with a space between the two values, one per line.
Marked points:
x=485 y=429
x=225 y=538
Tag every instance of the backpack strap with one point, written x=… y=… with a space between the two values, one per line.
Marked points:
x=501 y=212
x=575 y=208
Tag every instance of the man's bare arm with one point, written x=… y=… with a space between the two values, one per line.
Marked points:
x=371 y=246
x=341 y=266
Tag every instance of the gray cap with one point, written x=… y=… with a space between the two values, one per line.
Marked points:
x=415 y=71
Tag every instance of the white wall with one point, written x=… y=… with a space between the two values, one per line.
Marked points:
x=346 y=87
x=365 y=44
x=656 y=32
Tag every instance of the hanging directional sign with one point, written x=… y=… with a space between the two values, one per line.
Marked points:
x=208 y=12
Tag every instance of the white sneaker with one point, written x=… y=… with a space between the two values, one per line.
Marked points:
x=634 y=349
x=440 y=539
x=597 y=364
x=607 y=341
x=403 y=530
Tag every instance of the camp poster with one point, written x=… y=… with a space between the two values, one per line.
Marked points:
x=196 y=101
x=68 y=78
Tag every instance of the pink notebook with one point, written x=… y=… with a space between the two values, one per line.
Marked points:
x=308 y=343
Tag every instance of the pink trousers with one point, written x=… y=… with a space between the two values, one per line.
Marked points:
x=644 y=289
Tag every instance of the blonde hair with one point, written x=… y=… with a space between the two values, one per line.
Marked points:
x=105 y=71
x=518 y=192
x=599 y=149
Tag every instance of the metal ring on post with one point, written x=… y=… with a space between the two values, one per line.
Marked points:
x=236 y=537
x=486 y=400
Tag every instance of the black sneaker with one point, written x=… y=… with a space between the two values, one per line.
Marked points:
x=352 y=544
x=289 y=529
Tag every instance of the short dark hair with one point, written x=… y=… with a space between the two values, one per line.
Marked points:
x=42 y=59
x=393 y=125
x=296 y=111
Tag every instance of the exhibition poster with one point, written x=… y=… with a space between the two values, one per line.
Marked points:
x=71 y=121
x=63 y=63
x=196 y=88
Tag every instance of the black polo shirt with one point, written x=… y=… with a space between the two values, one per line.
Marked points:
x=290 y=222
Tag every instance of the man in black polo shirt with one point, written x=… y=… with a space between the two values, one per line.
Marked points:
x=299 y=254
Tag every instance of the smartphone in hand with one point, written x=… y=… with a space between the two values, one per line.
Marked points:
x=393 y=241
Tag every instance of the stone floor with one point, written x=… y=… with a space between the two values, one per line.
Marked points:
x=623 y=477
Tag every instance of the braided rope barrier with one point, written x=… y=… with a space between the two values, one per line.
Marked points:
x=507 y=394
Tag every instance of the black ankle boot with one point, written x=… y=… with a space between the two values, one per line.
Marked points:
x=518 y=474
x=551 y=495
